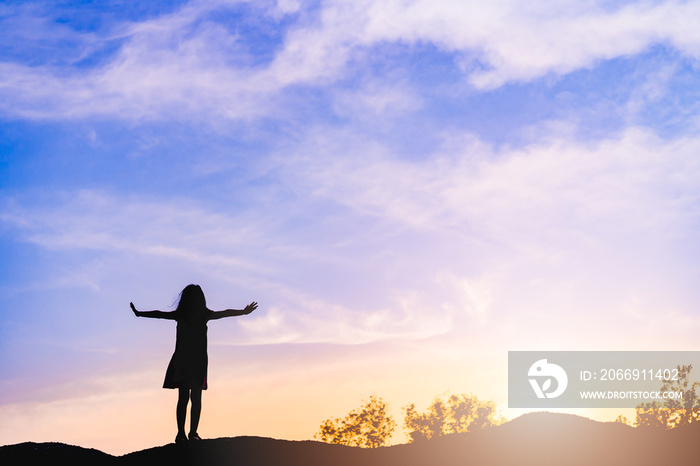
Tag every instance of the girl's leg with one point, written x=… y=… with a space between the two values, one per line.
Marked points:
x=183 y=398
x=195 y=410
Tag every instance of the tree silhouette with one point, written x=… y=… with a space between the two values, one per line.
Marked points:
x=672 y=412
x=458 y=413
x=368 y=427
x=652 y=415
x=687 y=409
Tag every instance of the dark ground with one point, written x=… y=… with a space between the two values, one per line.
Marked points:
x=533 y=439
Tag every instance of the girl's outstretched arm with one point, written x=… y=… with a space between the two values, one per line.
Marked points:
x=234 y=312
x=154 y=314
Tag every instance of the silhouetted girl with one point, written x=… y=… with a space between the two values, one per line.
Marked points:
x=187 y=370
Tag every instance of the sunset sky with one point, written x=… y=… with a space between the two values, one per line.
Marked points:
x=409 y=190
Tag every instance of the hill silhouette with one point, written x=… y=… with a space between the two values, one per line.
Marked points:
x=532 y=439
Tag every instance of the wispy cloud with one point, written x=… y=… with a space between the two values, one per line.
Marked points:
x=93 y=220
x=181 y=63
x=430 y=244
x=555 y=228
x=195 y=62
x=508 y=41
x=633 y=180
x=183 y=238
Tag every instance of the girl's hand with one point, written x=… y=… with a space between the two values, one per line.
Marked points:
x=250 y=308
x=136 y=313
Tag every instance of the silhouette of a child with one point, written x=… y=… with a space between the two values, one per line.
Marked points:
x=187 y=370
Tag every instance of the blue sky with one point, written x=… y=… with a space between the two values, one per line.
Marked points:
x=420 y=185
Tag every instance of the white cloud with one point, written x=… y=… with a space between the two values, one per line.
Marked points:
x=471 y=243
x=537 y=237
x=178 y=237
x=190 y=64
x=554 y=187
x=181 y=64
x=307 y=319
x=285 y=7
x=375 y=101
x=374 y=246
x=512 y=40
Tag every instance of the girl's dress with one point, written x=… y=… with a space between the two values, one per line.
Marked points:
x=188 y=366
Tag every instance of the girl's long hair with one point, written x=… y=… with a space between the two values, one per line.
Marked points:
x=192 y=302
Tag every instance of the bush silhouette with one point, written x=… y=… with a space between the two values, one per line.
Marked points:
x=672 y=412
x=652 y=415
x=368 y=427
x=458 y=413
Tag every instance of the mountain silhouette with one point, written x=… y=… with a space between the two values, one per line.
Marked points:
x=532 y=439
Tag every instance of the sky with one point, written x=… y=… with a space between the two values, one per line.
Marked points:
x=409 y=190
